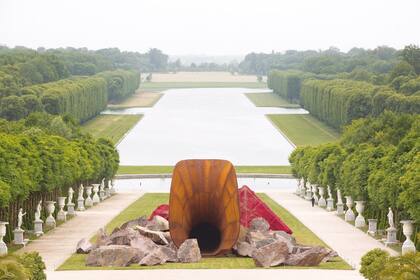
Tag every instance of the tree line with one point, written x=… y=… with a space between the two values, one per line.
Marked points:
x=42 y=156
x=377 y=159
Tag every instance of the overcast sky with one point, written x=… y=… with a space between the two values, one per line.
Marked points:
x=213 y=27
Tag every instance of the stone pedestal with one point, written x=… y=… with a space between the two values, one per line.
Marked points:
x=330 y=204
x=349 y=215
x=408 y=245
x=81 y=205
x=321 y=202
x=373 y=226
x=18 y=237
x=315 y=196
x=50 y=221
x=88 y=200
x=308 y=194
x=70 y=209
x=95 y=198
x=3 y=246
x=391 y=236
x=360 y=220
x=38 y=231
x=340 y=208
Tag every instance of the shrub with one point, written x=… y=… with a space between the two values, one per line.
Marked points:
x=372 y=263
x=34 y=264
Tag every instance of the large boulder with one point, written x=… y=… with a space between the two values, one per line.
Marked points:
x=272 y=254
x=253 y=237
x=141 y=221
x=143 y=244
x=158 y=223
x=189 y=251
x=259 y=224
x=244 y=249
x=102 y=239
x=170 y=253
x=157 y=236
x=83 y=246
x=123 y=236
x=160 y=255
x=112 y=255
x=310 y=257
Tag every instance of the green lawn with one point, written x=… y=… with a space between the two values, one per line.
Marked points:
x=160 y=86
x=151 y=169
x=113 y=127
x=304 y=129
x=146 y=204
x=269 y=99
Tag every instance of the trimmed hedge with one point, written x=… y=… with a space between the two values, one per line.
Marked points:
x=121 y=83
x=287 y=83
x=338 y=102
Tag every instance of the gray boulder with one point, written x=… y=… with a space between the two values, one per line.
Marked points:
x=102 y=238
x=123 y=236
x=272 y=254
x=158 y=223
x=310 y=257
x=244 y=249
x=259 y=224
x=189 y=251
x=112 y=255
x=142 y=221
x=157 y=236
x=83 y=246
x=170 y=253
x=143 y=244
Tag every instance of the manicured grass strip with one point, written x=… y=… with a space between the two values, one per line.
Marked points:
x=304 y=129
x=159 y=86
x=112 y=127
x=146 y=204
x=269 y=99
x=140 y=99
x=124 y=169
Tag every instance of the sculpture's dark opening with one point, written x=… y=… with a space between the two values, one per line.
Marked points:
x=208 y=237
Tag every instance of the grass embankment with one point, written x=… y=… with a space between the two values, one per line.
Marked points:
x=151 y=169
x=112 y=127
x=269 y=99
x=146 y=204
x=304 y=129
x=140 y=99
x=160 y=86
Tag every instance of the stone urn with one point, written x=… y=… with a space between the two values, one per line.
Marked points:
x=360 y=220
x=50 y=221
x=349 y=215
x=3 y=246
x=88 y=200
x=372 y=226
x=314 y=191
x=61 y=215
x=408 y=245
x=321 y=202
x=95 y=198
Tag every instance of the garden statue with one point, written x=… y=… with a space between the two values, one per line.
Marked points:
x=391 y=232
x=70 y=198
x=80 y=199
x=339 y=205
x=38 y=211
x=3 y=246
x=81 y=189
x=391 y=218
x=20 y=218
x=329 y=192
x=330 y=200
x=70 y=204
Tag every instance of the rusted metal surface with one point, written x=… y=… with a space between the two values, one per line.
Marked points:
x=204 y=204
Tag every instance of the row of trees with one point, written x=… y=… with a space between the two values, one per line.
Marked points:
x=45 y=154
x=376 y=160
x=338 y=102
x=79 y=97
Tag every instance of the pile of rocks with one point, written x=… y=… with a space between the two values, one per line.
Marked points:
x=140 y=242
x=149 y=243
x=272 y=248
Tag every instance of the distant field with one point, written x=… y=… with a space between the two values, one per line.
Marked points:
x=168 y=169
x=269 y=99
x=304 y=129
x=221 y=77
x=112 y=127
x=140 y=99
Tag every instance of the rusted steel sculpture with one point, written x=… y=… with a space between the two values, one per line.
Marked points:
x=204 y=204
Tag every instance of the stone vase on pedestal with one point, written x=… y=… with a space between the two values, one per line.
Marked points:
x=330 y=204
x=349 y=215
x=3 y=246
x=50 y=221
x=314 y=191
x=88 y=200
x=61 y=215
x=321 y=201
x=95 y=198
x=373 y=226
x=408 y=245
x=360 y=220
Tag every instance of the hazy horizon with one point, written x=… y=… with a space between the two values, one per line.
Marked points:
x=210 y=28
